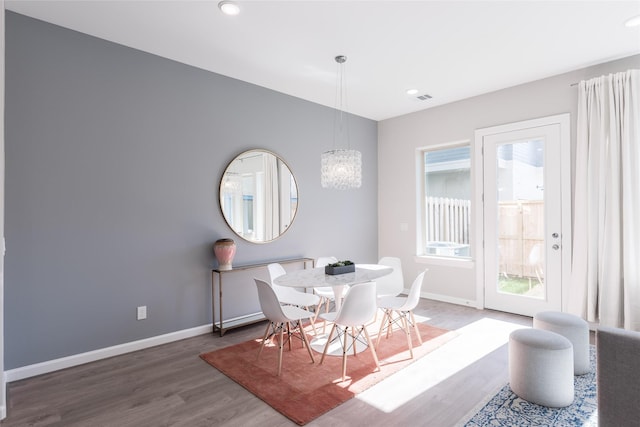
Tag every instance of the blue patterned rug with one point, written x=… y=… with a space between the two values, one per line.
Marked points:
x=505 y=409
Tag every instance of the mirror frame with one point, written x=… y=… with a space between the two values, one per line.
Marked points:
x=222 y=182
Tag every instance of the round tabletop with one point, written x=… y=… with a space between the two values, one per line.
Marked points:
x=316 y=277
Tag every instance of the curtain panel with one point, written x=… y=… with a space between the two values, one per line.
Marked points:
x=271 y=191
x=605 y=285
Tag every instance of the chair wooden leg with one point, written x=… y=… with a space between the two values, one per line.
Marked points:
x=353 y=340
x=314 y=318
x=326 y=346
x=344 y=353
x=311 y=321
x=382 y=325
x=326 y=310
x=280 y=351
x=407 y=331
x=289 y=334
x=373 y=350
x=300 y=329
x=306 y=342
x=264 y=339
x=415 y=327
x=390 y=323
x=318 y=311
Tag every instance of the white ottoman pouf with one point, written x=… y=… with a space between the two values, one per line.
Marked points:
x=574 y=329
x=541 y=367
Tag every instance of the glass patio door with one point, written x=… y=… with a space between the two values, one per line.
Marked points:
x=523 y=220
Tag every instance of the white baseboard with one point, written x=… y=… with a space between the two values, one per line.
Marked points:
x=446 y=298
x=103 y=353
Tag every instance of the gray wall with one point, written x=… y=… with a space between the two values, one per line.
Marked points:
x=400 y=137
x=113 y=158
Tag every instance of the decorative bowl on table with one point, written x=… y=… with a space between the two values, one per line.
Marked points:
x=340 y=267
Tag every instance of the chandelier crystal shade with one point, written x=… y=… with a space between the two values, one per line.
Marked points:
x=341 y=169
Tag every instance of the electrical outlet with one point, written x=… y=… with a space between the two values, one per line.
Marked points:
x=142 y=312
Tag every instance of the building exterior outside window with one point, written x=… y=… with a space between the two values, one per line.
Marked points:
x=447 y=202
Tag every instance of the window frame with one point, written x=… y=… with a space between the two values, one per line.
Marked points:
x=421 y=225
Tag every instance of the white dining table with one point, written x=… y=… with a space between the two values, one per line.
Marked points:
x=316 y=277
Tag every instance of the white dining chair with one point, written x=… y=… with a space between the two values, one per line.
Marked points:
x=282 y=318
x=391 y=284
x=325 y=260
x=290 y=296
x=403 y=307
x=358 y=309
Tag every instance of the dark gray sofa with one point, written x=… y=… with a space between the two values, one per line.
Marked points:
x=618 y=377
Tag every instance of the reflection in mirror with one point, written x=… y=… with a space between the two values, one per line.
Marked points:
x=258 y=196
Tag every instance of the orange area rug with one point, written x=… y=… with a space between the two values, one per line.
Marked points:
x=306 y=390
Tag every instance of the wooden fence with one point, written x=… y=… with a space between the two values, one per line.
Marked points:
x=521 y=237
x=520 y=231
x=448 y=220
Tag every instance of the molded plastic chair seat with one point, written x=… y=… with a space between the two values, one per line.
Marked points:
x=287 y=295
x=391 y=284
x=281 y=318
x=403 y=307
x=358 y=308
x=325 y=291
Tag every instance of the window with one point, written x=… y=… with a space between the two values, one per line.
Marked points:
x=247 y=204
x=446 y=213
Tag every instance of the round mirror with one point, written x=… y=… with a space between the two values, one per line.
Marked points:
x=258 y=196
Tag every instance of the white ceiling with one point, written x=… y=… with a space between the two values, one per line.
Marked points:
x=450 y=50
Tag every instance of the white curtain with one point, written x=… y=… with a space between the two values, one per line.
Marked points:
x=605 y=285
x=271 y=198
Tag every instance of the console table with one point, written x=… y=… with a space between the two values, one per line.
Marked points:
x=217 y=278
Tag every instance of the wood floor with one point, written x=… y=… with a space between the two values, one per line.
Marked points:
x=170 y=385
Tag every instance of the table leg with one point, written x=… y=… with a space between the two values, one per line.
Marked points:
x=213 y=301
x=220 y=301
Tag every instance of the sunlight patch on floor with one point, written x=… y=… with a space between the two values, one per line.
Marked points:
x=471 y=344
x=421 y=319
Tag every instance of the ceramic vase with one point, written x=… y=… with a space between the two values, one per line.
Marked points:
x=225 y=250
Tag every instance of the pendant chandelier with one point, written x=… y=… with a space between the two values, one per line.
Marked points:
x=341 y=168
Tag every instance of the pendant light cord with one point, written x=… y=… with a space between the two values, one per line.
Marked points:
x=340 y=121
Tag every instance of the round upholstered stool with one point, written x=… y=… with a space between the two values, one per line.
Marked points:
x=541 y=367
x=572 y=328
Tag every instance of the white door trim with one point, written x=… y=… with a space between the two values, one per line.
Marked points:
x=478 y=194
x=3 y=384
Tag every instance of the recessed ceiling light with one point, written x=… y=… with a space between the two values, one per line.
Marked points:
x=229 y=7
x=633 y=22
x=412 y=91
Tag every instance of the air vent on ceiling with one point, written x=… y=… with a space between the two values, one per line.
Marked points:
x=424 y=97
